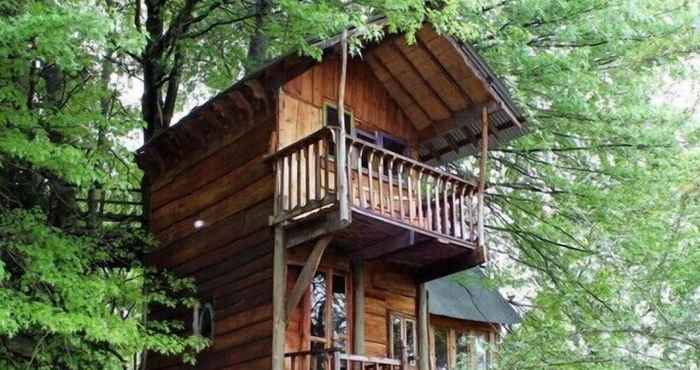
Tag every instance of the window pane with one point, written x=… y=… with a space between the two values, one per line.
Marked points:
x=318 y=305
x=396 y=337
x=332 y=119
x=411 y=341
x=464 y=351
x=441 y=349
x=340 y=322
x=480 y=349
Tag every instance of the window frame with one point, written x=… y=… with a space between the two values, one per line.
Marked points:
x=452 y=335
x=329 y=340
x=348 y=113
x=403 y=319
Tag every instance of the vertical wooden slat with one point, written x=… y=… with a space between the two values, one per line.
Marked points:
x=400 y=176
x=380 y=173
x=307 y=174
x=428 y=199
x=288 y=159
x=370 y=162
x=299 y=181
x=326 y=167
x=360 y=175
x=411 y=200
x=279 y=288
x=351 y=190
x=462 y=231
x=438 y=226
x=419 y=199
x=391 y=187
x=317 y=170
x=446 y=206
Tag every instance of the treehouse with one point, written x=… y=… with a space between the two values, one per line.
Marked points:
x=309 y=203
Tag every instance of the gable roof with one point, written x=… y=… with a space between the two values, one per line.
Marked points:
x=440 y=84
x=469 y=301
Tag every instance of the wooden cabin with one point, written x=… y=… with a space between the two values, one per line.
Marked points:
x=466 y=322
x=305 y=238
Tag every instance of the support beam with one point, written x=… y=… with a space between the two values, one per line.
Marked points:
x=341 y=158
x=388 y=245
x=482 y=179
x=279 y=285
x=423 y=325
x=358 y=307
x=307 y=273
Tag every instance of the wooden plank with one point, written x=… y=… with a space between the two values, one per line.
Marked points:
x=252 y=194
x=307 y=273
x=387 y=246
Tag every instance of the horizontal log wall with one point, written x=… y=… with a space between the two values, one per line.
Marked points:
x=211 y=219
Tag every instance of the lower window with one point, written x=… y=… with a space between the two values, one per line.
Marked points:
x=403 y=331
x=461 y=350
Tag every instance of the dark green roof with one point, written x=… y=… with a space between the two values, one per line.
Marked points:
x=469 y=299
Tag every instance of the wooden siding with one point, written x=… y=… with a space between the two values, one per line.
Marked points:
x=302 y=100
x=229 y=193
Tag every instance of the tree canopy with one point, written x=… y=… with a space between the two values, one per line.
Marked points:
x=593 y=215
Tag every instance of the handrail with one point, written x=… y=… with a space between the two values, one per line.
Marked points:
x=412 y=161
x=315 y=136
x=335 y=356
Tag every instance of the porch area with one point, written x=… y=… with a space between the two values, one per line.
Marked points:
x=378 y=204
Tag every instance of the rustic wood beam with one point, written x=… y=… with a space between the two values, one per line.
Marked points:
x=423 y=325
x=401 y=85
x=307 y=273
x=482 y=177
x=341 y=158
x=358 y=307
x=415 y=70
x=388 y=245
x=453 y=80
x=279 y=290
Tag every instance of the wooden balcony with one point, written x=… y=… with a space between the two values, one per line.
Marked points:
x=392 y=202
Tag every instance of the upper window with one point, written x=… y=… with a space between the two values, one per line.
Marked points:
x=330 y=118
x=403 y=330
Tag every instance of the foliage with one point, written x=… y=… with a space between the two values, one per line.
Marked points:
x=595 y=212
x=73 y=293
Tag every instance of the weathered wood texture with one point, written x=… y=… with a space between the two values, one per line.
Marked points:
x=372 y=109
x=211 y=219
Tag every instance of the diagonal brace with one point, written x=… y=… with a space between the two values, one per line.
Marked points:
x=307 y=273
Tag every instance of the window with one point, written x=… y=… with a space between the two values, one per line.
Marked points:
x=328 y=312
x=330 y=117
x=203 y=321
x=441 y=349
x=462 y=350
x=393 y=144
x=403 y=330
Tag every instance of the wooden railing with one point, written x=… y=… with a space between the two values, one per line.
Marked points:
x=378 y=181
x=335 y=359
x=404 y=190
x=305 y=176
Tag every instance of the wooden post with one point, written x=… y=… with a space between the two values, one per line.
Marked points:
x=341 y=157
x=279 y=285
x=358 y=307
x=423 y=325
x=482 y=179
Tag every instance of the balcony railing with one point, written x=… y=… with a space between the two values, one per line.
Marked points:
x=335 y=359
x=380 y=183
